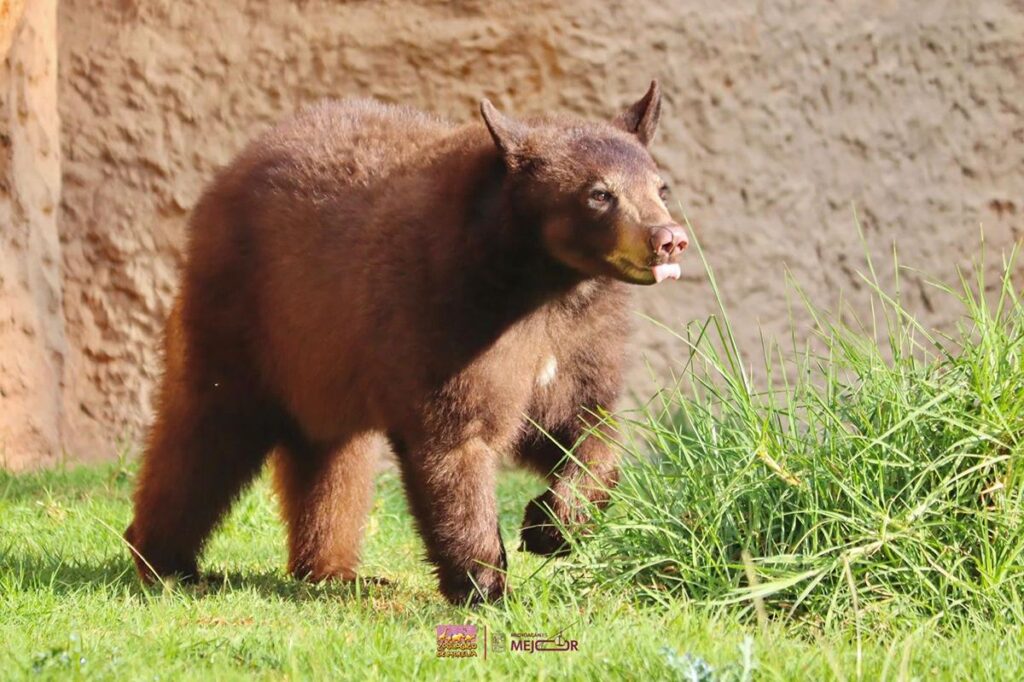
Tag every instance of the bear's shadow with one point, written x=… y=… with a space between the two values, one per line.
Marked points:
x=64 y=576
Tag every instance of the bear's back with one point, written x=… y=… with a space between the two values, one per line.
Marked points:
x=338 y=143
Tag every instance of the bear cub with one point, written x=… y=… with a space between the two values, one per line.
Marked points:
x=365 y=273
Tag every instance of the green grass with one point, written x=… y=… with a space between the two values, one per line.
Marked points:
x=862 y=486
x=857 y=517
x=70 y=606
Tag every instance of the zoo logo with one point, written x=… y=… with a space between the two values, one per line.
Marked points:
x=456 y=641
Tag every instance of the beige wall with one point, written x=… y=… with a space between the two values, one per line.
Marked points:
x=32 y=341
x=779 y=116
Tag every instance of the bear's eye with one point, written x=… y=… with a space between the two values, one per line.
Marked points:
x=601 y=196
x=663 y=192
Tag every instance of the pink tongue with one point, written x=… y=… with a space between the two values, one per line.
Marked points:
x=666 y=271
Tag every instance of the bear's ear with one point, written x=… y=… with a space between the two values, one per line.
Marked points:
x=641 y=119
x=509 y=135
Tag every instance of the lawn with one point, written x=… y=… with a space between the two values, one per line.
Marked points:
x=856 y=515
x=70 y=607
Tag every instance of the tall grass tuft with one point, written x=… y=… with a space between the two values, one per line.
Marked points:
x=861 y=475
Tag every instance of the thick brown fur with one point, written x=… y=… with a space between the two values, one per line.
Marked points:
x=366 y=271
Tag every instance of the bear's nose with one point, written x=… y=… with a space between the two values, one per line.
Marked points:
x=669 y=239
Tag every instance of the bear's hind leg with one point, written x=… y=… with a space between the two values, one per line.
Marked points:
x=203 y=450
x=326 y=497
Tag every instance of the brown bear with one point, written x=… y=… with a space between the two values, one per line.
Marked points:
x=366 y=272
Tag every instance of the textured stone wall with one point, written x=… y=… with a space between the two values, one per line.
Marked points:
x=779 y=117
x=32 y=343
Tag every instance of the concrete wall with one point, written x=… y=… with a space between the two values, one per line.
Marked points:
x=779 y=116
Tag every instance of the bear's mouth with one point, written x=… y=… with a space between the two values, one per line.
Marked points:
x=648 y=273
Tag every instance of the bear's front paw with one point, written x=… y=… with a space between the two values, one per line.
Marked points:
x=476 y=586
x=539 y=534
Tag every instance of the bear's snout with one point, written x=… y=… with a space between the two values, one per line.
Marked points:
x=668 y=240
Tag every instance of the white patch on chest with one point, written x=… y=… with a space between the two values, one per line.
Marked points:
x=548 y=370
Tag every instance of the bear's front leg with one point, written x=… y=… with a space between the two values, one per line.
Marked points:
x=585 y=477
x=452 y=494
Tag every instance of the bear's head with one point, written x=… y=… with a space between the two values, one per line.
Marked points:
x=593 y=190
